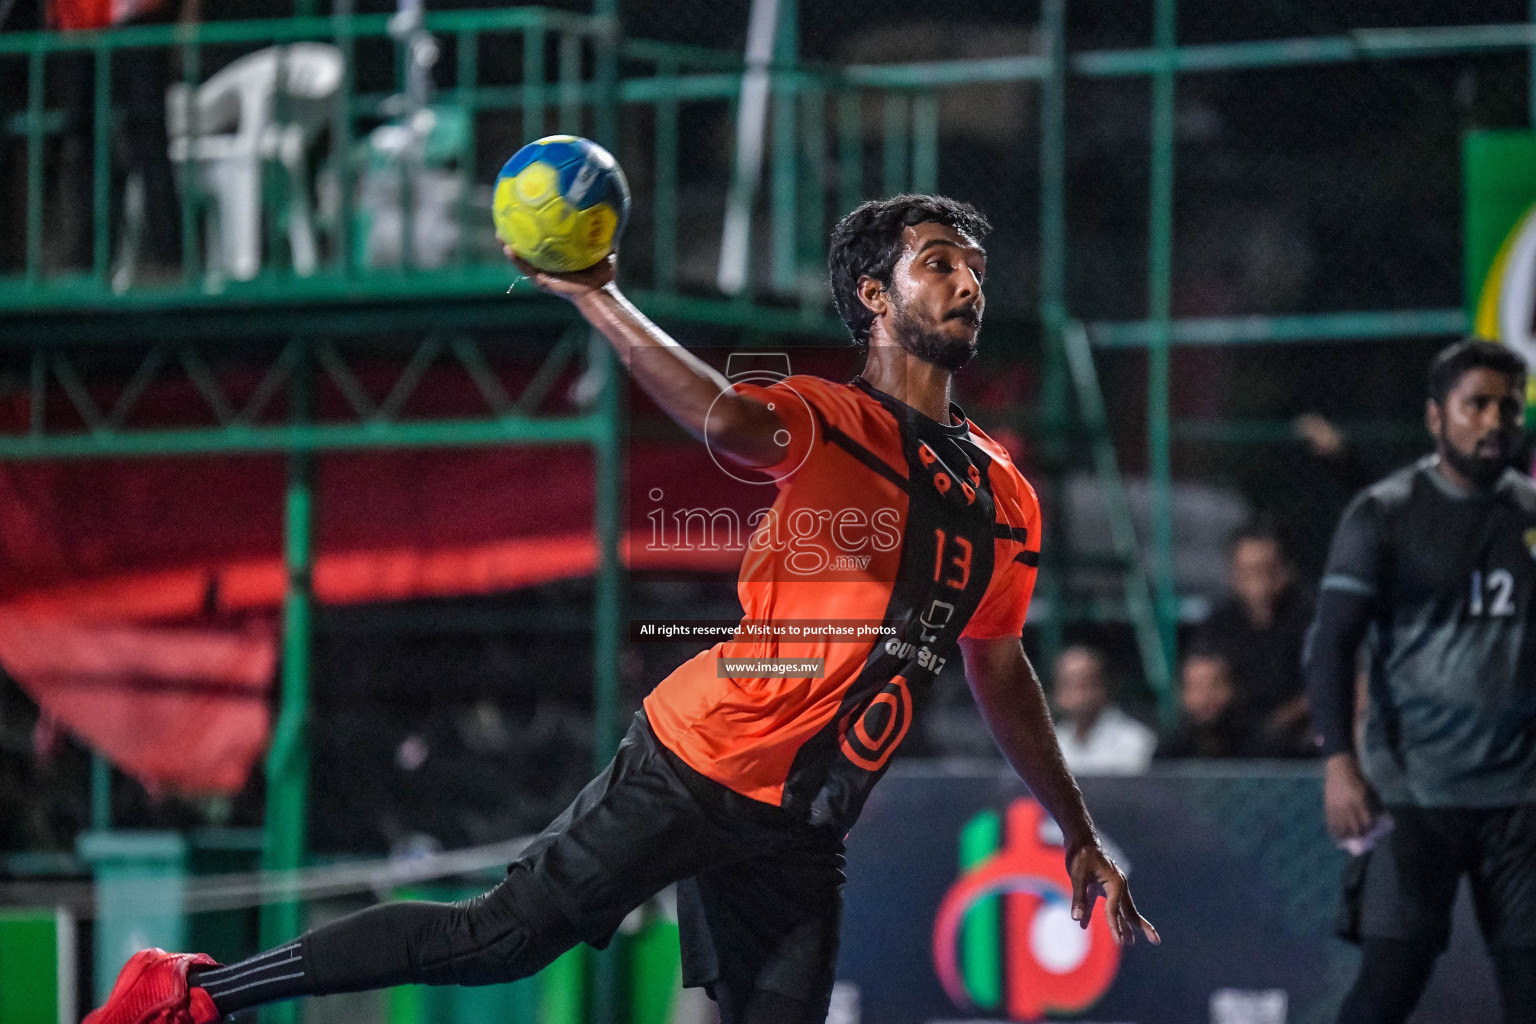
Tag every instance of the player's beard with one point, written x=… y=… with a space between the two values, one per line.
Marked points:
x=926 y=343
x=1483 y=470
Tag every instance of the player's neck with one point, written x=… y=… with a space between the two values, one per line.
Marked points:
x=1460 y=482
x=909 y=380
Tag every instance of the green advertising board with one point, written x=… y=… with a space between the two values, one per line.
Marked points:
x=37 y=966
x=1499 y=178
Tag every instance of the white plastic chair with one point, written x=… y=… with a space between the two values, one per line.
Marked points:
x=238 y=131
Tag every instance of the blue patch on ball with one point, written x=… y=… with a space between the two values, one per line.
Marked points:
x=561 y=203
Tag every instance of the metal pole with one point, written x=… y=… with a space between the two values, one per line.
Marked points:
x=608 y=585
x=782 y=203
x=1531 y=79
x=1159 y=306
x=1053 y=276
x=609 y=599
x=288 y=759
x=101 y=166
x=665 y=203
x=751 y=120
x=607 y=631
x=35 y=85
x=101 y=793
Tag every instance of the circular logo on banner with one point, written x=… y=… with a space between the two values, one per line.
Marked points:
x=1506 y=307
x=1045 y=961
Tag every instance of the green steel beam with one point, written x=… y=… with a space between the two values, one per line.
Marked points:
x=1052 y=283
x=1368 y=325
x=653 y=51
x=811 y=232
x=1530 y=73
x=281 y=30
x=925 y=143
x=468 y=76
x=76 y=307
x=937 y=74
x=267 y=440
x=35 y=78
x=608 y=625
x=288 y=756
x=1140 y=597
x=785 y=155
x=1365 y=44
x=608 y=599
x=1360 y=45
x=1159 y=306
x=607 y=441
x=850 y=151
x=101 y=793
x=101 y=166
x=895 y=146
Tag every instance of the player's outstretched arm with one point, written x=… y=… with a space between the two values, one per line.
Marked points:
x=1013 y=704
x=691 y=391
x=1338 y=626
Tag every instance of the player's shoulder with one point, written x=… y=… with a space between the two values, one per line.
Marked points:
x=1006 y=479
x=826 y=396
x=1396 y=490
x=1519 y=489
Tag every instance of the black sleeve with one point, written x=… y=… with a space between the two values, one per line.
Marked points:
x=1328 y=662
x=1356 y=556
x=1345 y=604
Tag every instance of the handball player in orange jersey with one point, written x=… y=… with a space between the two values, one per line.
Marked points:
x=742 y=790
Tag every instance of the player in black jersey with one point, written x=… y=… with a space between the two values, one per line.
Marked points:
x=1437 y=563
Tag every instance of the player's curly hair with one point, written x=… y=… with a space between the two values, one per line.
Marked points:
x=867 y=243
x=1455 y=360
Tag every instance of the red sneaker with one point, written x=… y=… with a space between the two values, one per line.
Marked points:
x=152 y=989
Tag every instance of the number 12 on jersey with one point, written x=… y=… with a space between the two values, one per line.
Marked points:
x=1493 y=594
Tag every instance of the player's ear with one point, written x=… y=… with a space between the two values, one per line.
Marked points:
x=1433 y=416
x=873 y=294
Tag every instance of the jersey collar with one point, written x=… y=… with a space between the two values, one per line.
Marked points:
x=903 y=411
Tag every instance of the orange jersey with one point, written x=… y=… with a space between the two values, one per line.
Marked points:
x=883 y=517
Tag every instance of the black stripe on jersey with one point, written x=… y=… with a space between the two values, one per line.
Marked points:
x=868 y=458
x=1007 y=531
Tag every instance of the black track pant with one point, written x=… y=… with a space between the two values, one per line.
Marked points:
x=759 y=911
x=1393 y=975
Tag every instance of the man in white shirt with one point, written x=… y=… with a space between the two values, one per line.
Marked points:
x=1096 y=737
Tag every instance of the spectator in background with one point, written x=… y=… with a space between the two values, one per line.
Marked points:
x=1096 y=737
x=1212 y=723
x=140 y=77
x=1258 y=631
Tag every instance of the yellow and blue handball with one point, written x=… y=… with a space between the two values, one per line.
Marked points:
x=561 y=202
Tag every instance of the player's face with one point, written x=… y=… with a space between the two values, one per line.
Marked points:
x=1477 y=430
x=1259 y=575
x=1207 y=689
x=936 y=299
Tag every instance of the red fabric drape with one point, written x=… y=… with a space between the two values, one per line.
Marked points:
x=109 y=571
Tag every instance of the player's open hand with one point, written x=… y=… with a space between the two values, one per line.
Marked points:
x=1348 y=804
x=1093 y=875
x=571 y=286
